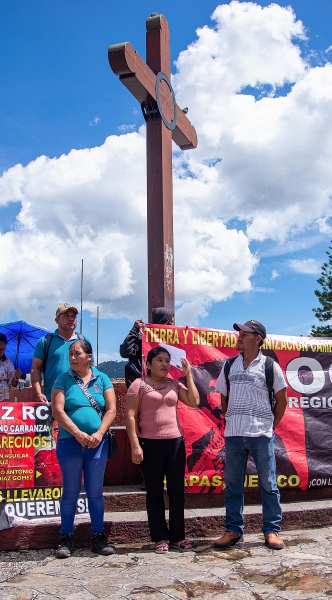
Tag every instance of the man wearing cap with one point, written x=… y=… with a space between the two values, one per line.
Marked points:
x=249 y=429
x=57 y=360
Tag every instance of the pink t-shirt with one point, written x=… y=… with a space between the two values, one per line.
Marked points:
x=157 y=415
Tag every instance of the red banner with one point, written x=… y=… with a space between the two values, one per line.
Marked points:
x=30 y=477
x=304 y=435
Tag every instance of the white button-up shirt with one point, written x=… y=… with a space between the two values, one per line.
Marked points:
x=249 y=411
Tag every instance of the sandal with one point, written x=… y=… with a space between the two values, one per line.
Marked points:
x=161 y=547
x=184 y=546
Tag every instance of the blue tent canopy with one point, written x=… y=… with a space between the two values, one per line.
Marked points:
x=22 y=339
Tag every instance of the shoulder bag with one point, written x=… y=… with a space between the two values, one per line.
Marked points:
x=113 y=450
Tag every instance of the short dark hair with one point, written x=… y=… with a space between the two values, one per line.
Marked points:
x=3 y=338
x=153 y=353
x=85 y=345
x=261 y=342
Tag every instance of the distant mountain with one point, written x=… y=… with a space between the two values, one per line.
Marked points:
x=113 y=368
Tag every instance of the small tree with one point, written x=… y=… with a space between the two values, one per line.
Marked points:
x=325 y=299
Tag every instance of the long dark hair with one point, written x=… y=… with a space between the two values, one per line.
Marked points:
x=3 y=339
x=153 y=353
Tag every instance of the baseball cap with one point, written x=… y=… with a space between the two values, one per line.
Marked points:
x=63 y=308
x=251 y=326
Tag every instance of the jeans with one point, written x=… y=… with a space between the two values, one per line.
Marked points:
x=164 y=457
x=262 y=451
x=75 y=460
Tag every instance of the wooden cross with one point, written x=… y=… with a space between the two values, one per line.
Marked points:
x=150 y=84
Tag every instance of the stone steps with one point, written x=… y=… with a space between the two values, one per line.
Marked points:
x=126 y=522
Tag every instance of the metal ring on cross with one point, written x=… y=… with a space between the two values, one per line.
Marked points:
x=162 y=77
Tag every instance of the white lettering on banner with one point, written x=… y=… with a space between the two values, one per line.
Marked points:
x=28 y=413
x=41 y=508
x=306 y=402
x=42 y=412
x=320 y=482
x=37 y=428
x=8 y=410
x=318 y=375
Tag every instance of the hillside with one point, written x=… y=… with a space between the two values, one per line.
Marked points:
x=113 y=368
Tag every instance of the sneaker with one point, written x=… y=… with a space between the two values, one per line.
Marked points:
x=100 y=546
x=66 y=546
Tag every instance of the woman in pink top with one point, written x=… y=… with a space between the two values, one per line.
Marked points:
x=158 y=446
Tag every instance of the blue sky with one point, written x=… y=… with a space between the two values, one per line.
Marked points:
x=59 y=94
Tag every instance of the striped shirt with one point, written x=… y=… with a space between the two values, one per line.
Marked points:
x=249 y=411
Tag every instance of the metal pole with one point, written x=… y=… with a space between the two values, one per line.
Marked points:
x=97 y=336
x=81 y=321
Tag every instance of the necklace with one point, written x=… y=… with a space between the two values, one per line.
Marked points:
x=158 y=386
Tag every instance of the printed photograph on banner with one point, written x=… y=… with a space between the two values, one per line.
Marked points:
x=176 y=355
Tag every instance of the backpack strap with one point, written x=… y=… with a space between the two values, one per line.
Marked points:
x=47 y=344
x=269 y=378
x=227 y=368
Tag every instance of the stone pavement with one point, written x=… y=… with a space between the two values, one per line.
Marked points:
x=249 y=571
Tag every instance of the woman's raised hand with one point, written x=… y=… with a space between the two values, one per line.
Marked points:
x=186 y=366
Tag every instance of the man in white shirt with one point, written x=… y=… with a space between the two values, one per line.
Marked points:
x=250 y=424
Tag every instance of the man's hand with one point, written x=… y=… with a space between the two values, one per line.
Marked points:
x=41 y=398
x=139 y=323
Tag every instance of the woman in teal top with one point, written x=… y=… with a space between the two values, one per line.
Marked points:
x=83 y=445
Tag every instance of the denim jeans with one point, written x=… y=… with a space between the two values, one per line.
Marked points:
x=262 y=451
x=75 y=460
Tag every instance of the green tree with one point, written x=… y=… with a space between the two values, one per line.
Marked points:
x=324 y=296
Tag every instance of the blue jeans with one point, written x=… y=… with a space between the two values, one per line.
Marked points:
x=262 y=451
x=75 y=460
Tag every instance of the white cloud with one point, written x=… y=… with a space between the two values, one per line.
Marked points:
x=94 y=121
x=266 y=162
x=308 y=266
x=275 y=274
x=276 y=152
x=125 y=128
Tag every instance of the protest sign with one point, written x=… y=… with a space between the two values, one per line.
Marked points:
x=303 y=437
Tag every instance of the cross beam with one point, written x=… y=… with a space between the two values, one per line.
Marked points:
x=150 y=84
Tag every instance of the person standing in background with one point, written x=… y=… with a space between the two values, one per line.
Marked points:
x=131 y=347
x=51 y=354
x=9 y=376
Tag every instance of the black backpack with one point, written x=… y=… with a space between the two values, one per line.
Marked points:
x=269 y=376
x=47 y=344
x=133 y=370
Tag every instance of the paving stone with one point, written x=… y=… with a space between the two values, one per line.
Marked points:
x=249 y=571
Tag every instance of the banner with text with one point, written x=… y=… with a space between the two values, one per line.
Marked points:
x=30 y=477
x=304 y=435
